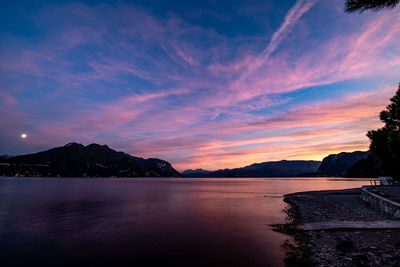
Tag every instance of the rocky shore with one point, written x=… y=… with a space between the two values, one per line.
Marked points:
x=337 y=247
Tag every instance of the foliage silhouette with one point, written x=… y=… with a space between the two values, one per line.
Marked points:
x=385 y=142
x=363 y=5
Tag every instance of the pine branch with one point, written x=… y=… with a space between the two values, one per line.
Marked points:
x=374 y=5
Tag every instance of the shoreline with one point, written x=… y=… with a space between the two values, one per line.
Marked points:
x=337 y=247
x=186 y=177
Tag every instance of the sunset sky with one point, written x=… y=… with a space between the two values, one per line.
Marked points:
x=201 y=84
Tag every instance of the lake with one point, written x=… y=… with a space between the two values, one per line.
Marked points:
x=147 y=221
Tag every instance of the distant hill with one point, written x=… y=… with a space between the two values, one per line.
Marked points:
x=339 y=164
x=76 y=160
x=5 y=156
x=197 y=173
x=282 y=168
x=367 y=167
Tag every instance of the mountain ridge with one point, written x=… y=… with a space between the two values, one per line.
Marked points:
x=282 y=168
x=94 y=160
x=339 y=164
x=77 y=160
x=344 y=164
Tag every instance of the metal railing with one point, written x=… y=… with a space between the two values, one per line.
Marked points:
x=383 y=180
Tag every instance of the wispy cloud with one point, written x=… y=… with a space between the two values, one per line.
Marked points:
x=162 y=86
x=290 y=20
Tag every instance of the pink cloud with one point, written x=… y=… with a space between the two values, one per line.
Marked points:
x=153 y=90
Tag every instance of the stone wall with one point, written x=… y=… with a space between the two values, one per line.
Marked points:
x=381 y=203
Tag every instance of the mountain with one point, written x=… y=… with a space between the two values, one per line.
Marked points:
x=367 y=167
x=197 y=173
x=5 y=156
x=76 y=160
x=282 y=168
x=338 y=164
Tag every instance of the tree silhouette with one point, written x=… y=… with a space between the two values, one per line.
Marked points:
x=362 y=5
x=385 y=142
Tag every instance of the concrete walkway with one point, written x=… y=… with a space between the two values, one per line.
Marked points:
x=360 y=225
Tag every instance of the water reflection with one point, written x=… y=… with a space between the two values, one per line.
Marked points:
x=146 y=221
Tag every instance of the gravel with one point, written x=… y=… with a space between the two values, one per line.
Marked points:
x=337 y=247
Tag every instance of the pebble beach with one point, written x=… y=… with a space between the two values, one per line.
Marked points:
x=337 y=247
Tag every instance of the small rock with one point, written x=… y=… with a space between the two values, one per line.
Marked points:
x=387 y=256
x=397 y=214
x=345 y=245
x=360 y=256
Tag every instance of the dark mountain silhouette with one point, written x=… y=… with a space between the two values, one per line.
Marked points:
x=197 y=173
x=367 y=167
x=282 y=168
x=338 y=164
x=76 y=160
x=5 y=156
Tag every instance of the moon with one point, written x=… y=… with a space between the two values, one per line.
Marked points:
x=23 y=136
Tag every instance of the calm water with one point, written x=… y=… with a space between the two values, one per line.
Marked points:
x=70 y=221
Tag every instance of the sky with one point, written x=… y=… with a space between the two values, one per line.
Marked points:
x=201 y=84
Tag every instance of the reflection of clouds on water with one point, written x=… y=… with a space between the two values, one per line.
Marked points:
x=215 y=221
